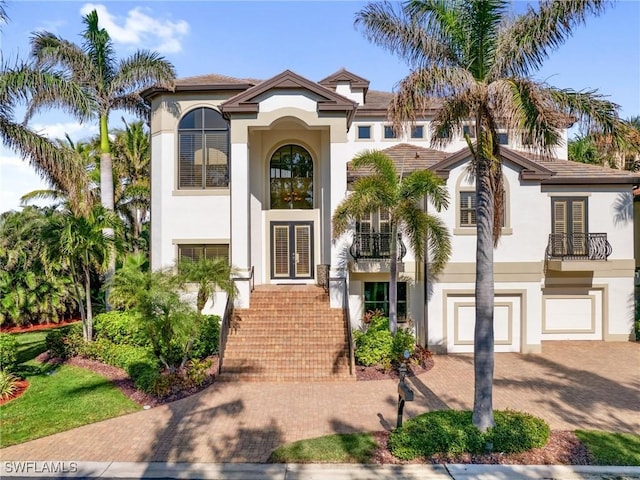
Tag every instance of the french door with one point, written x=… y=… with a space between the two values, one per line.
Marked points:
x=291 y=250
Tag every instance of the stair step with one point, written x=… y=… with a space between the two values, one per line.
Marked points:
x=289 y=333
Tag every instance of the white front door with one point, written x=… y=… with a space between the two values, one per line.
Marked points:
x=291 y=250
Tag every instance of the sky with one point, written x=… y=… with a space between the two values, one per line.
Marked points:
x=259 y=39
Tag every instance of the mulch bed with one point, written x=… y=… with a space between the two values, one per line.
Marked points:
x=35 y=328
x=563 y=448
x=21 y=387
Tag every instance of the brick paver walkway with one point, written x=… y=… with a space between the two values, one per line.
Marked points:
x=590 y=385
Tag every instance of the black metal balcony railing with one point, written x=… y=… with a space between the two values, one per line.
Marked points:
x=578 y=246
x=375 y=246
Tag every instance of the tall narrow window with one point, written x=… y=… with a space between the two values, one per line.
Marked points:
x=203 y=150
x=569 y=226
x=291 y=177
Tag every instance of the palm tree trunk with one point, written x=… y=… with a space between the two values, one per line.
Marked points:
x=106 y=193
x=484 y=335
x=393 y=280
x=79 y=297
x=88 y=324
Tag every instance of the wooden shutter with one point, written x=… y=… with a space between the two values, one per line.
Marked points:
x=280 y=251
x=303 y=250
x=364 y=229
x=468 y=209
x=384 y=227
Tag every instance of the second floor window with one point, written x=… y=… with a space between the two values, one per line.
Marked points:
x=203 y=150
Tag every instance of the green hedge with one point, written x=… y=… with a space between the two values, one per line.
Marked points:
x=376 y=345
x=121 y=328
x=452 y=432
x=207 y=340
x=8 y=352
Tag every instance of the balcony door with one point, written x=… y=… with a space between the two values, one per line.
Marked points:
x=570 y=227
x=291 y=250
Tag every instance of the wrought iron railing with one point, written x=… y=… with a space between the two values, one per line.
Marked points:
x=227 y=318
x=375 y=246
x=578 y=246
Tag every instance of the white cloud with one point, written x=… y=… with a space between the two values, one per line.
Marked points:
x=140 y=30
x=76 y=131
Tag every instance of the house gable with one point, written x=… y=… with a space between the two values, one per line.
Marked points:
x=327 y=100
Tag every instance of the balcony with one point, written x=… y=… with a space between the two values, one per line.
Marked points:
x=375 y=246
x=574 y=251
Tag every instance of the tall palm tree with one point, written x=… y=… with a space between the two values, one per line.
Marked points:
x=78 y=241
x=132 y=161
x=386 y=189
x=106 y=82
x=472 y=60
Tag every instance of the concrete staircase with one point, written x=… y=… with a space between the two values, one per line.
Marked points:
x=289 y=334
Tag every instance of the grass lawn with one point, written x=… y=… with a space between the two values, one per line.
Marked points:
x=339 y=448
x=31 y=344
x=59 y=397
x=612 y=448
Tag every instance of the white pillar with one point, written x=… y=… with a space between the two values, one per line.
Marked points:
x=339 y=249
x=240 y=224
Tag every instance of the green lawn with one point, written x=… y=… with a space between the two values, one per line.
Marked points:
x=339 y=448
x=31 y=344
x=612 y=448
x=59 y=397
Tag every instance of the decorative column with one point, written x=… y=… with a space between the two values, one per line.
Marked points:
x=240 y=224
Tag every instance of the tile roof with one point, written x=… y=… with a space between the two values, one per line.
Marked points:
x=406 y=158
x=215 y=79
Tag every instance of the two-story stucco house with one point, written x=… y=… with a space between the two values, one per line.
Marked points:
x=252 y=170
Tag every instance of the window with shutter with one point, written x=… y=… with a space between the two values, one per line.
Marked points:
x=195 y=252
x=569 y=226
x=203 y=150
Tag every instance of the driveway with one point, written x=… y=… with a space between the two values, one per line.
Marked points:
x=586 y=385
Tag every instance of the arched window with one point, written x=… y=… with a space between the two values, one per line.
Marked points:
x=291 y=176
x=203 y=150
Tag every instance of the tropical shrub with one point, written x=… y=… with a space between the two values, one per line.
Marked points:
x=8 y=352
x=207 y=339
x=120 y=328
x=197 y=371
x=65 y=343
x=377 y=346
x=8 y=384
x=452 y=432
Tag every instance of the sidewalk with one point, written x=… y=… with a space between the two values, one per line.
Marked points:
x=257 y=471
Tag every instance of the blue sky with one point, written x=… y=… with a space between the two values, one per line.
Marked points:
x=260 y=39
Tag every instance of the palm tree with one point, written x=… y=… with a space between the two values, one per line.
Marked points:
x=105 y=82
x=385 y=189
x=132 y=160
x=78 y=242
x=472 y=61
x=74 y=188
x=209 y=274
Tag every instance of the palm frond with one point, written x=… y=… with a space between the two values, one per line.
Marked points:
x=525 y=43
x=439 y=243
x=98 y=48
x=420 y=183
x=524 y=106
x=380 y=163
x=401 y=34
x=142 y=70
x=454 y=111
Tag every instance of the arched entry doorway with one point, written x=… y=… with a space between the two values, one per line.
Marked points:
x=291 y=188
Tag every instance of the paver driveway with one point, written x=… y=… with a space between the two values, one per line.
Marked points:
x=590 y=385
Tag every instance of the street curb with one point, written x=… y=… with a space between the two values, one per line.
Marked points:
x=310 y=471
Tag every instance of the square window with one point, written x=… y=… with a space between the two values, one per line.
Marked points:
x=503 y=138
x=376 y=297
x=389 y=132
x=417 y=131
x=195 y=252
x=364 y=131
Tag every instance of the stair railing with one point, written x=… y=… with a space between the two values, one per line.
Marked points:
x=347 y=317
x=227 y=318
